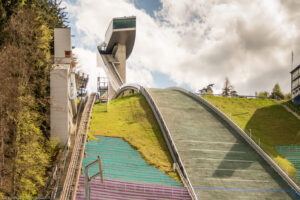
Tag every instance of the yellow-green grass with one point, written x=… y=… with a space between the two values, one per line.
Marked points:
x=270 y=124
x=132 y=119
x=291 y=105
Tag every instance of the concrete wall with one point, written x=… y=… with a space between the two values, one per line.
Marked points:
x=63 y=107
x=62 y=45
x=59 y=111
x=62 y=87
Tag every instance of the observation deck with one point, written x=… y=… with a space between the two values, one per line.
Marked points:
x=120 y=31
x=114 y=51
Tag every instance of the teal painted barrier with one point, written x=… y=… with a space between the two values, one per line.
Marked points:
x=121 y=162
x=292 y=153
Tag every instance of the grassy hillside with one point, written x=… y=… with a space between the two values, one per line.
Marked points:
x=291 y=105
x=270 y=124
x=131 y=118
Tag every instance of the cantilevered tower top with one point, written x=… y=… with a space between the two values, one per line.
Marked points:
x=120 y=31
x=114 y=51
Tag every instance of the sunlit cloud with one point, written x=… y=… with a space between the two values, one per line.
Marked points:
x=200 y=42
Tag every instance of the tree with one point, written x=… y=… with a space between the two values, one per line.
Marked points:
x=233 y=93
x=228 y=89
x=207 y=90
x=26 y=152
x=263 y=94
x=288 y=96
x=276 y=92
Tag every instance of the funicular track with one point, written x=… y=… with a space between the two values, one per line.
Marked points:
x=74 y=168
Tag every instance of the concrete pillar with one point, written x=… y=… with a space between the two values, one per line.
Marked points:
x=121 y=56
x=61 y=114
x=111 y=91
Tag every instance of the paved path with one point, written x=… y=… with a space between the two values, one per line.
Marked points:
x=219 y=163
x=288 y=109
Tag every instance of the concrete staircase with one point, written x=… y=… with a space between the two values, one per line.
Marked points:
x=117 y=190
x=292 y=153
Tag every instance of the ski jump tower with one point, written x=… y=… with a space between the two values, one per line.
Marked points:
x=117 y=47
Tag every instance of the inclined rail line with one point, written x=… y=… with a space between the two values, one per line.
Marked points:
x=74 y=169
x=53 y=186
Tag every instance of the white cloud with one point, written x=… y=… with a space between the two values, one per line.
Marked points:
x=198 y=42
x=87 y=64
x=140 y=76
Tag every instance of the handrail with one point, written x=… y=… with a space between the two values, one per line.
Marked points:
x=170 y=143
x=83 y=148
x=60 y=166
x=249 y=140
x=76 y=151
x=89 y=178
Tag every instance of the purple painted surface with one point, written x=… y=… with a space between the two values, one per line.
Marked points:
x=146 y=185
x=121 y=190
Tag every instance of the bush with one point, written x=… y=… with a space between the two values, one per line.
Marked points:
x=277 y=93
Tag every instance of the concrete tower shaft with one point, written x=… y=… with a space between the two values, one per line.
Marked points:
x=117 y=47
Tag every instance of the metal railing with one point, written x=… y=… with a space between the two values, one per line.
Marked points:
x=74 y=169
x=248 y=139
x=88 y=178
x=237 y=96
x=53 y=183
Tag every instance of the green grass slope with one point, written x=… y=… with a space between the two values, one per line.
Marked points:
x=291 y=105
x=131 y=118
x=270 y=124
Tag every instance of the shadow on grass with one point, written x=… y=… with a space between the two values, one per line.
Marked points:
x=235 y=163
x=275 y=126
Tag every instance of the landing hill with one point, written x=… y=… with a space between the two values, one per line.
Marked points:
x=269 y=123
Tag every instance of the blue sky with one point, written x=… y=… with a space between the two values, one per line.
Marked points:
x=160 y=80
x=150 y=6
x=193 y=43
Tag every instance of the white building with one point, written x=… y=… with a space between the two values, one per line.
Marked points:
x=295 y=85
x=62 y=87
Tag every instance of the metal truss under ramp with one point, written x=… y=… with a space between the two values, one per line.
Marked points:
x=218 y=161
